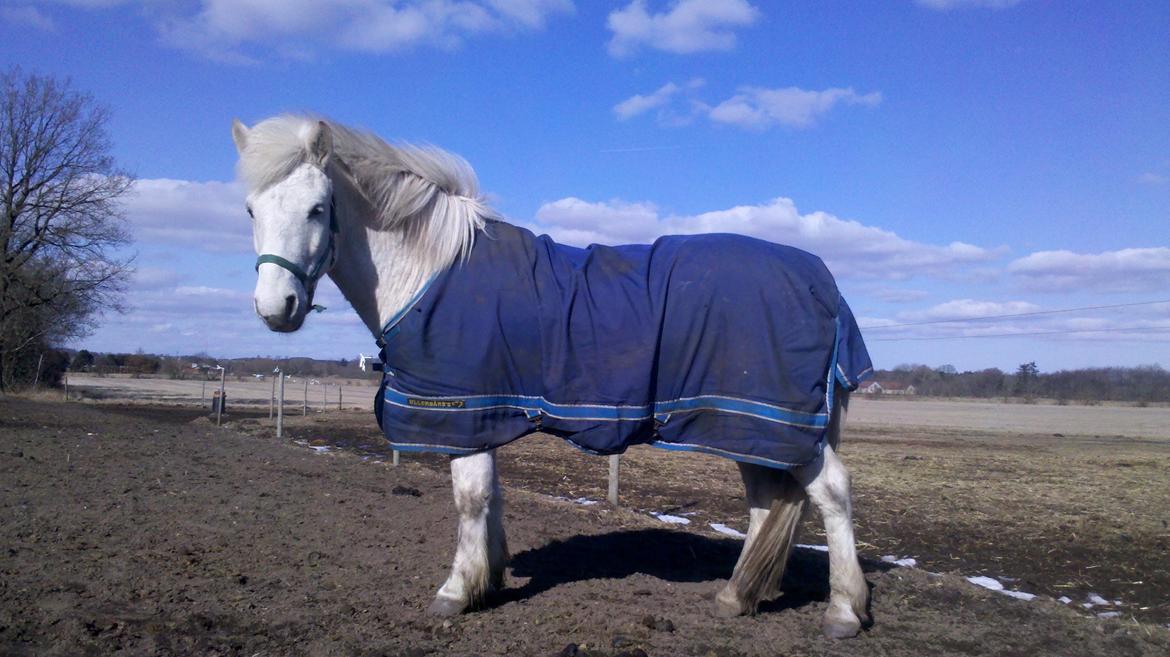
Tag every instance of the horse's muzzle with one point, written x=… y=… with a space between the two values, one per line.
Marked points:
x=282 y=306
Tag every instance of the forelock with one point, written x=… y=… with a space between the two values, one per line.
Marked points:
x=274 y=149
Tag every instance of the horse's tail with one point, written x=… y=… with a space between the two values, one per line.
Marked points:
x=763 y=565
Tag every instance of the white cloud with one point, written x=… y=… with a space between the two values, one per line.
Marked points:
x=849 y=247
x=574 y=221
x=687 y=26
x=154 y=278
x=758 y=108
x=897 y=295
x=28 y=17
x=244 y=31
x=946 y=5
x=185 y=301
x=658 y=99
x=206 y=215
x=969 y=309
x=1124 y=269
x=970 y=318
x=753 y=108
x=531 y=13
x=637 y=104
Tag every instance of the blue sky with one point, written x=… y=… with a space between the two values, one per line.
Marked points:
x=949 y=159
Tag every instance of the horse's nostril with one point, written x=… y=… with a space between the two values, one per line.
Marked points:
x=290 y=303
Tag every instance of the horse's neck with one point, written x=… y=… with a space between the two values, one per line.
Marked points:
x=375 y=270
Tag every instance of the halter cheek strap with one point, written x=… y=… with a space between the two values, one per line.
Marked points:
x=309 y=278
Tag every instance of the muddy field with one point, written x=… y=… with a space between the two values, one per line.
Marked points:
x=145 y=530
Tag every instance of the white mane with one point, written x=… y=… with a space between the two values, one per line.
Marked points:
x=429 y=194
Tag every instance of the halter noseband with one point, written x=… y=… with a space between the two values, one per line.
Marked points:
x=309 y=278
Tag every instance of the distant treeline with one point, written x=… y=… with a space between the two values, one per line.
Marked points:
x=198 y=366
x=1143 y=384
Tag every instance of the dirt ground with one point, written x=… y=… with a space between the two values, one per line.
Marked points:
x=143 y=530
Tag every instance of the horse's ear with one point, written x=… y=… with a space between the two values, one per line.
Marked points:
x=321 y=143
x=239 y=135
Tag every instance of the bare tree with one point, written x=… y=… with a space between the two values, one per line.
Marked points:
x=61 y=226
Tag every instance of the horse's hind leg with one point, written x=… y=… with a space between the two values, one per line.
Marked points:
x=827 y=483
x=775 y=504
x=481 y=551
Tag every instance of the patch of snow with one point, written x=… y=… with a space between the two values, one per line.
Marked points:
x=907 y=562
x=1096 y=599
x=724 y=529
x=994 y=584
x=1109 y=614
x=986 y=582
x=1064 y=599
x=583 y=501
x=675 y=520
x=818 y=548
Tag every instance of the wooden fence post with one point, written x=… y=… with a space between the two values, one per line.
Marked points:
x=272 y=397
x=394 y=458
x=66 y=385
x=339 y=396
x=219 y=406
x=280 y=408
x=614 y=460
x=305 y=403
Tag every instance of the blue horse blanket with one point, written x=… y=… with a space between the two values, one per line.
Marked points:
x=714 y=343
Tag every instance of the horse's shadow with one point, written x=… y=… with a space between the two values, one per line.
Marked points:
x=673 y=556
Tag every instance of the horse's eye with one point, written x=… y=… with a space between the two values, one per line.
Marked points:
x=249 y=209
x=317 y=210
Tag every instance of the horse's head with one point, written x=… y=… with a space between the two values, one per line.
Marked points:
x=294 y=230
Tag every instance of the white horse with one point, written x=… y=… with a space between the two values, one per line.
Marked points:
x=382 y=220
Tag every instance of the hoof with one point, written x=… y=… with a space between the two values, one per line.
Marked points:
x=727 y=605
x=446 y=607
x=841 y=628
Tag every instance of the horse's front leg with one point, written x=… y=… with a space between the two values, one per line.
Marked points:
x=481 y=551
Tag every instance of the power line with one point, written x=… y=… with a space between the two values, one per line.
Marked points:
x=1153 y=329
x=1014 y=315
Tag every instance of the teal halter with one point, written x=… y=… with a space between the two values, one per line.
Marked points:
x=309 y=278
